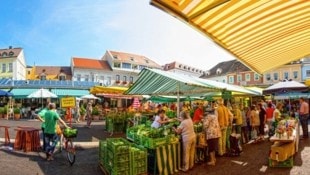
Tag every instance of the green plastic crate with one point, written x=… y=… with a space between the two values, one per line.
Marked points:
x=153 y=143
x=118 y=145
x=103 y=152
x=287 y=163
x=138 y=160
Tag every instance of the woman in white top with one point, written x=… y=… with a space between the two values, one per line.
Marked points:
x=186 y=129
x=160 y=119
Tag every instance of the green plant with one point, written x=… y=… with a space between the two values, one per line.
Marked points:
x=95 y=111
x=1 y=110
x=82 y=110
x=16 y=110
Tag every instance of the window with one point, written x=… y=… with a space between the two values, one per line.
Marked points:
x=11 y=53
x=247 y=77
x=224 y=81
x=134 y=66
x=117 y=78
x=10 y=67
x=147 y=61
x=131 y=79
x=275 y=76
x=109 y=81
x=141 y=67
x=308 y=73
x=286 y=76
x=218 y=71
x=239 y=78
x=295 y=74
x=4 y=54
x=92 y=77
x=43 y=76
x=132 y=59
x=268 y=77
x=28 y=72
x=62 y=77
x=101 y=78
x=256 y=77
x=231 y=80
x=86 y=77
x=115 y=56
x=125 y=78
x=78 y=77
x=3 y=67
x=117 y=65
x=126 y=65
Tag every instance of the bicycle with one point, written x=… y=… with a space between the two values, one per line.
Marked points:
x=66 y=143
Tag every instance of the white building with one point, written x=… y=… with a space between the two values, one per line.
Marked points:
x=183 y=69
x=13 y=65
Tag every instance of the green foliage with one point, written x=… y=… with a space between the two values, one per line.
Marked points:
x=95 y=111
x=16 y=110
x=82 y=110
x=1 y=110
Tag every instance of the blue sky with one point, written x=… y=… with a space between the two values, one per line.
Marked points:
x=51 y=32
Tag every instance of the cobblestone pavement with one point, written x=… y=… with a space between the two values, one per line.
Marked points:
x=252 y=161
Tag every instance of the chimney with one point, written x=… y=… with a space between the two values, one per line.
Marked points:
x=10 y=47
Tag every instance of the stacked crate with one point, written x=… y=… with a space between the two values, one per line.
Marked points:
x=118 y=162
x=103 y=153
x=138 y=160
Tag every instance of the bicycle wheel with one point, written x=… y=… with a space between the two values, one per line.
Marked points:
x=70 y=152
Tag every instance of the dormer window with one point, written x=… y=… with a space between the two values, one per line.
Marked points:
x=11 y=53
x=180 y=65
x=207 y=72
x=42 y=76
x=62 y=76
x=147 y=61
x=184 y=67
x=4 y=54
x=115 y=57
x=218 y=71
x=132 y=59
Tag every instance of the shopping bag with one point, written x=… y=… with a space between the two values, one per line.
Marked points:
x=253 y=134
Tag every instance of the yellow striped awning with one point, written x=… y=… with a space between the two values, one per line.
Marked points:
x=263 y=34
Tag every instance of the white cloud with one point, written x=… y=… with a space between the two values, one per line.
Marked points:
x=146 y=30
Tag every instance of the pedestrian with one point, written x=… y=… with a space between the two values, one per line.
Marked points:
x=303 y=117
x=40 y=116
x=186 y=129
x=213 y=133
x=254 y=120
x=244 y=126
x=89 y=110
x=269 y=117
x=262 y=120
x=222 y=113
x=77 y=113
x=198 y=114
x=51 y=117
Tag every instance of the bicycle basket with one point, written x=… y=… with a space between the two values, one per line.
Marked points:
x=70 y=133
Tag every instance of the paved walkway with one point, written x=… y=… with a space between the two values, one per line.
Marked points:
x=252 y=161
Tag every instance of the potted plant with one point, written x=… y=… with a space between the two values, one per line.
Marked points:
x=95 y=113
x=2 y=112
x=16 y=111
x=82 y=112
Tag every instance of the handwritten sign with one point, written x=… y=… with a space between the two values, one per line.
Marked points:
x=68 y=102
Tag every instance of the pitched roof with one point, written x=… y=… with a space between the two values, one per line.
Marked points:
x=10 y=52
x=53 y=70
x=134 y=58
x=88 y=63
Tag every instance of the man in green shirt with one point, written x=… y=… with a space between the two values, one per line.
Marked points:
x=50 y=119
x=40 y=116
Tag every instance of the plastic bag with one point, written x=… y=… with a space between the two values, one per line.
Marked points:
x=70 y=133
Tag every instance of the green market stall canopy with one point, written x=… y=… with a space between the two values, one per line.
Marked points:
x=261 y=34
x=158 y=82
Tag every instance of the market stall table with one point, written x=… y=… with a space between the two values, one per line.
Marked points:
x=27 y=139
x=6 y=134
x=165 y=159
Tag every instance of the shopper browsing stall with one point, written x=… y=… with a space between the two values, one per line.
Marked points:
x=213 y=133
x=186 y=129
x=160 y=119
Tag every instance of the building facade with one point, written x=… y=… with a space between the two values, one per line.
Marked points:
x=233 y=72
x=183 y=69
x=290 y=71
x=60 y=73
x=13 y=65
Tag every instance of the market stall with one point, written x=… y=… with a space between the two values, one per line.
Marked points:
x=285 y=144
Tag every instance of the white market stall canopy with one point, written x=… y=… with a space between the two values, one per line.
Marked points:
x=285 y=86
x=158 y=82
x=261 y=34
